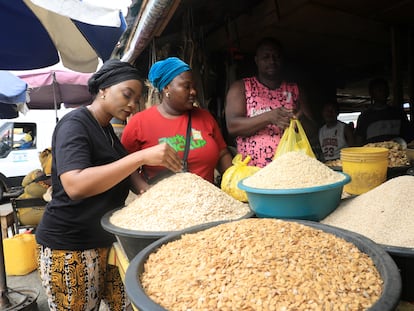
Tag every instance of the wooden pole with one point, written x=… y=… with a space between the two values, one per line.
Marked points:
x=397 y=81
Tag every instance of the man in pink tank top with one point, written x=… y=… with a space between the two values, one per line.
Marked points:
x=259 y=108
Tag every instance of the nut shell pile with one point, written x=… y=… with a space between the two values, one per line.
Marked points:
x=261 y=264
x=396 y=155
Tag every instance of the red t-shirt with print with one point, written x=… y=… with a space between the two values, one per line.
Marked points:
x=149 y=128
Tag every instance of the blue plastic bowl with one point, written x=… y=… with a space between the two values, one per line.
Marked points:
x=312 y=203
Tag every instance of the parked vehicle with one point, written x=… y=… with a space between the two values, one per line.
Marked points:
x=19 y=153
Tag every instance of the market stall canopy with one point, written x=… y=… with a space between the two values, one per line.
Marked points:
x=344 y=41
x=48 y=89
x=35 y=36
x=13 y=92
x=154 y=15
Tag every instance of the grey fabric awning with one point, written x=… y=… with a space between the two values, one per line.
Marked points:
x=151 y=20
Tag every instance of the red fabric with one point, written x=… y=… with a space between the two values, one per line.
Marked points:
x=149 y=128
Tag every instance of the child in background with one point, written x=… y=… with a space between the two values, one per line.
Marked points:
x=334 y=134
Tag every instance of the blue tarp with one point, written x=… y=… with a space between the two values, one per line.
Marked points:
x=13 y=91
x=12 y=88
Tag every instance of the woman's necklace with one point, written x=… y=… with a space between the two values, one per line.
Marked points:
x=108 y=135
x=104 y=130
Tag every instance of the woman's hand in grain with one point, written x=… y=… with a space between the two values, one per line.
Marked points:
x=163 y=155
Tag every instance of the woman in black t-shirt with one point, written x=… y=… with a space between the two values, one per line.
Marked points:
x=91 y=175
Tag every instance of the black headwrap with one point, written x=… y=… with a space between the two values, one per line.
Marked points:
x=112 y=72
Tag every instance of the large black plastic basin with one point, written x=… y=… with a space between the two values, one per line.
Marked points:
x=133 y=241
x=382 y=260
x=404 y=258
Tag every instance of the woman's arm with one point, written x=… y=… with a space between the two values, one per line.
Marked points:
x=80 y=184
x=139 y=184
x=224 y=161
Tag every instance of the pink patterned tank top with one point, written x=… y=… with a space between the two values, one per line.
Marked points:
x=262 y=145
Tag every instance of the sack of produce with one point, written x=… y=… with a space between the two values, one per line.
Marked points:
x=234 y=174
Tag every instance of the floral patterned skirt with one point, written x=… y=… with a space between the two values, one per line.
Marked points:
x=79 y=280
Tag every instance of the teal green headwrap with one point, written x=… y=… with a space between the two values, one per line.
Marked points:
x=164 y=71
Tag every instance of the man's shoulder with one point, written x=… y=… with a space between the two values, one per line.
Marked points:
x=79 y=113
x=388 y=110
x=252 y=78
x=237 y=85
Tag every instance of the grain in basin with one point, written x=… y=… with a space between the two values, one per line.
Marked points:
x=178 y=202
x=293 y=170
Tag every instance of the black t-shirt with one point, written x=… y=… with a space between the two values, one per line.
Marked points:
x=79 y=142
x=377 y=125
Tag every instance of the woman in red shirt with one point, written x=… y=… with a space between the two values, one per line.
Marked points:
x=169 y=120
